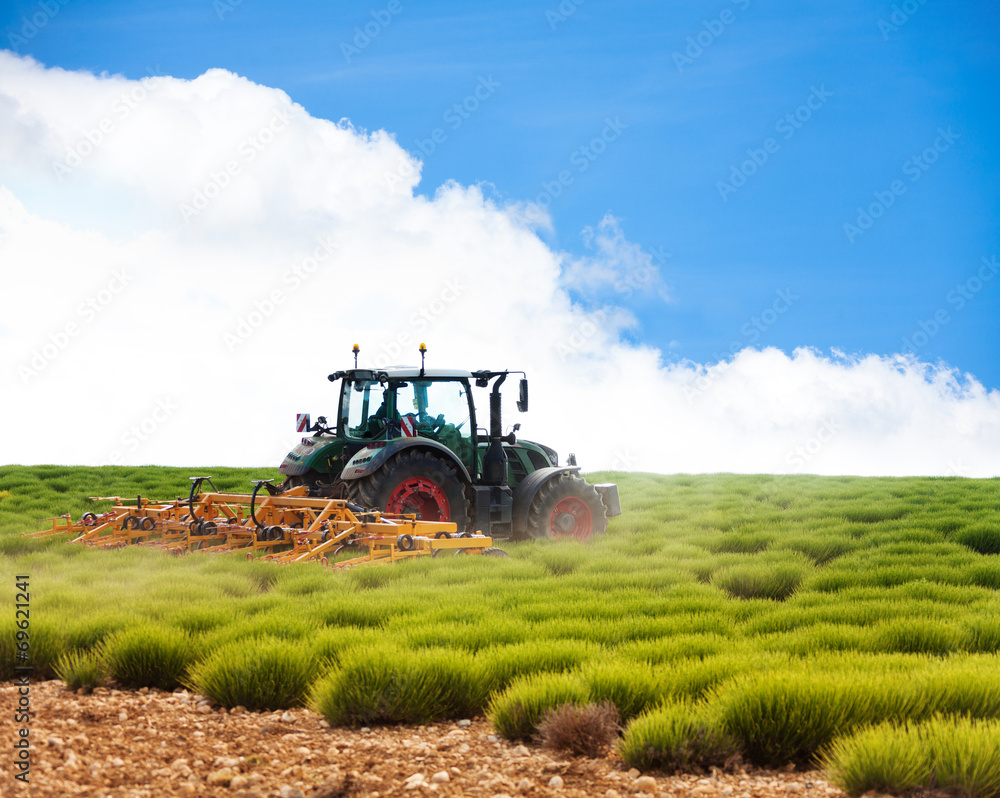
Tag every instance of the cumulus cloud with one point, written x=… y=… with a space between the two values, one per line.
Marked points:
x=186 y=260
x=618 y=268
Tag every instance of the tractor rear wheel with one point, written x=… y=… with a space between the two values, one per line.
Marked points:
x=567 y=507
x=415 y=482
x=309 y=479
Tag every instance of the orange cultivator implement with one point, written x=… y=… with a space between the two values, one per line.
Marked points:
x=281 y=527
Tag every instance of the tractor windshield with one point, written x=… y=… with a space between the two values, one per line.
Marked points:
x=363 y=409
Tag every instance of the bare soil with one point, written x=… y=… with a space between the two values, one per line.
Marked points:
x=150 y=744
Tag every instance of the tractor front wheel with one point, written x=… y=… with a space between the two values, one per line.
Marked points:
x=567 y=507
x=418 y=483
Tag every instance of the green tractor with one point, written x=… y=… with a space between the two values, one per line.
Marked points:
x=407 y=441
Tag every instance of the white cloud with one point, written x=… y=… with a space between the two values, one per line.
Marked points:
x=618 y=268
x=185 y=261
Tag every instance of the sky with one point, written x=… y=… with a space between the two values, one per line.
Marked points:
x=719 y=236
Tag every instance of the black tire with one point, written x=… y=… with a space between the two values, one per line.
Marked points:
x=275 y=532
x=310 y=478
x=567 y=506
x=398 y=480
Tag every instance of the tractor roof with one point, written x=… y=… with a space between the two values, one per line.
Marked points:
x=413 y=372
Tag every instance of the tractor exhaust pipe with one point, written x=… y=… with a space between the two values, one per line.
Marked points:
x=495 y=460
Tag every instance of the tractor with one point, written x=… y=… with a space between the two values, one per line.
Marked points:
x=406 y=441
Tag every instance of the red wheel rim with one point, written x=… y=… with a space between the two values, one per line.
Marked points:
x=421 y=496
x=571 y=518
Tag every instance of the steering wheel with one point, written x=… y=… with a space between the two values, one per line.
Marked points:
x=374 y=427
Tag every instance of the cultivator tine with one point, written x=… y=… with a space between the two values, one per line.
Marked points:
x=289 y=527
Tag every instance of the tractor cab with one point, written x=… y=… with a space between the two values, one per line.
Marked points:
x=402 y=403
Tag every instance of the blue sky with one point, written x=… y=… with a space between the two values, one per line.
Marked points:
x=744 y=210
x=887 y=85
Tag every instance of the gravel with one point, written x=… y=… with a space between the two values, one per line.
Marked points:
x=146 y=744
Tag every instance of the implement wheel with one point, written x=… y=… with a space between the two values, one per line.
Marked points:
x=418 y=483
x=567 y=507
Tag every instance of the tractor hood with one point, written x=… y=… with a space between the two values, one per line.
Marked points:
x=320 y=453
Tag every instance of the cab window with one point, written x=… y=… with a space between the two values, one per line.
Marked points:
x=438 y=410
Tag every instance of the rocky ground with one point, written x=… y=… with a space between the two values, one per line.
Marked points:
x=152 y=744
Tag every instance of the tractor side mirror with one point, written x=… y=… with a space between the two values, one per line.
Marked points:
x=522 y=401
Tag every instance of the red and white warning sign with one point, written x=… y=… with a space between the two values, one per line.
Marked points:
x=409 y=424
x=302 y=422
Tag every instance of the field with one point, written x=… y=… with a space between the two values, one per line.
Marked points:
x=854 y=622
